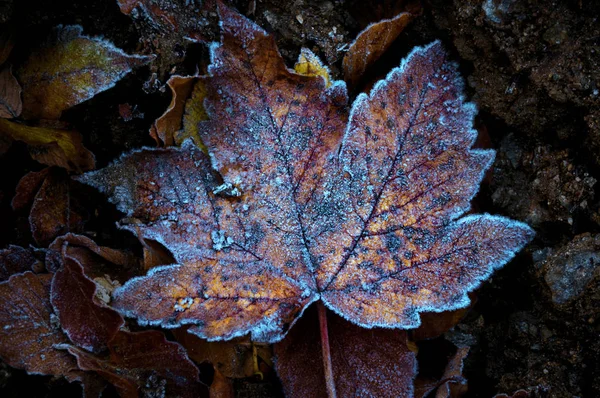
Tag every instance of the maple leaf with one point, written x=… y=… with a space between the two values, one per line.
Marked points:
x=358 y=210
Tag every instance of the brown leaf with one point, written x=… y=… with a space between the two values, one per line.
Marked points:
x=29 y=329
x=370 y=44
x=144 y=360
x=454 y=383
x=234 y=358
x=10 y=95
x=70 y=69
x=366 y=362
x=95 y=259
x=51 y=146
x=88 y=322
x=53 y=212
x=15 y=259
x=164 y=128
x=360 y=211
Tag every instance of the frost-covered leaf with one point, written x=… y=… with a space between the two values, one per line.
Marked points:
x=370 y=44
x=53 y=212
x=51 y=146
x=95 y=259
x=70 y=69
x=360 y=211
x=10 y=95
x=16 y=259
x=88 y=322
x=165 y=129
x=144 y=360
x=29 y=329
x=366 y=362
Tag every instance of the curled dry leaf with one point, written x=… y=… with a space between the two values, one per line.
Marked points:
x=235 y=359
x=53 y=212
x=365 y=362
x=29 y=329
x=452 y=383
x=70 y=69
x=370 y=44
x=360 y=211
x=96 y=260
x=10 y=95
x=141 y=360
x=88 y=322
x=221 y=387
x=165 y=127
x=51 y=146
x=16 y=259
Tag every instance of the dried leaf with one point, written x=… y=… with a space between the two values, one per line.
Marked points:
x=370 y=44
x=309 y=64
x=164 y=128
x=234 y=359
x=53 y=212
x=91 y=256
x=51 y=146
x=16 y=259
x=361 y=213
x=6 y=45
x=144 y=360
x=366 y=362
x=454 y=384
x=70 y=69
x=88 y=323
x=10 y=95
x=29 y=329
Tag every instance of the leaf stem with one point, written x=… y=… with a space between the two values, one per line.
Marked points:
x=329 y=382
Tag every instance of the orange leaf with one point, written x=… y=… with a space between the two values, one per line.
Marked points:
x=370 y=44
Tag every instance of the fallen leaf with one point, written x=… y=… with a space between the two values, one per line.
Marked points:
x=370 y=44
x=96 y=260
x=10 y=95
x=234 y=358
x=359 y=211
x=88 y=322
x=53 y=212
x=309 y=64
x=16 y=259
x=30 y=329
x=144 y=360
x=454 y=383
x=51 y=146
x=70 y=69
x=164 y=128
x=365 y=362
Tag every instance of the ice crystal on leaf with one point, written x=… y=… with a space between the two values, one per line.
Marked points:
x=356 y=206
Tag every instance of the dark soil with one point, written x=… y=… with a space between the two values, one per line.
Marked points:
x=533 y=69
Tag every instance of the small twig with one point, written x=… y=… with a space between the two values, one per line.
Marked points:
x=329 y=382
